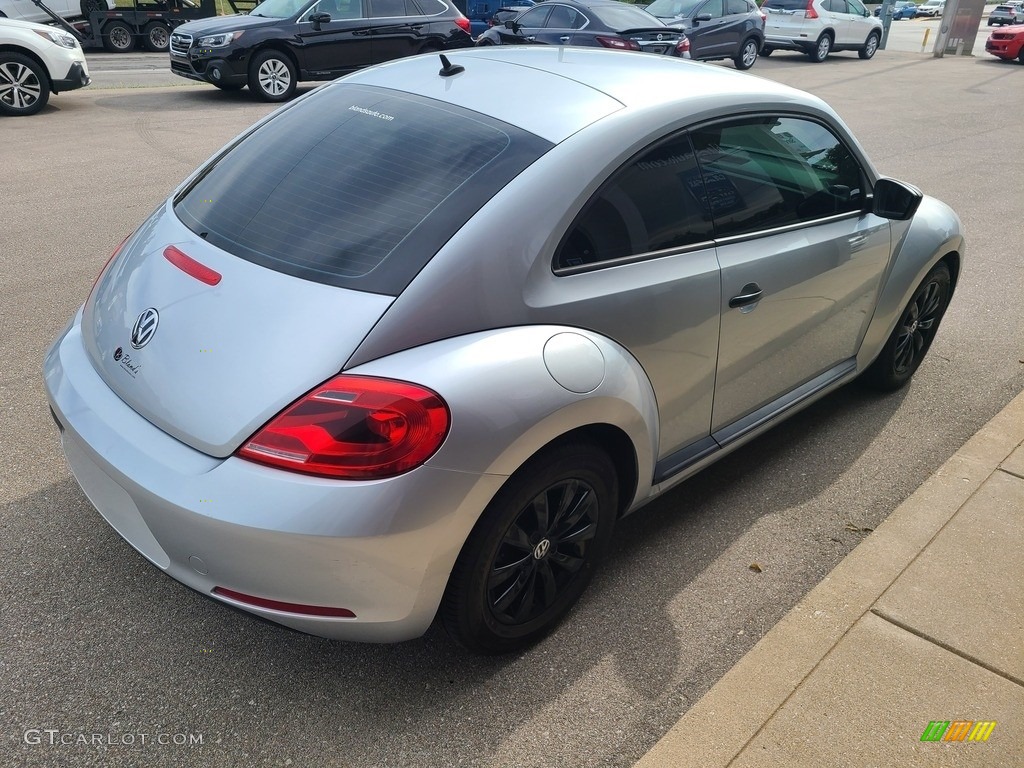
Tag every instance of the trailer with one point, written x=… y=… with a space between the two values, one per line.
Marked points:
x=147 y=22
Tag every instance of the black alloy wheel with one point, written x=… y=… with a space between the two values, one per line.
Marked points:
x=533 y=551
x=913 y=334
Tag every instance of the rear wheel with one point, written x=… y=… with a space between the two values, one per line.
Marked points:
x=870 y=46
x=24 y=86
x=913 y=334
x=157 y=37
x=118 y=37
x=272 y=76
x=822 y=48
x=748 y=54
x=533 y=551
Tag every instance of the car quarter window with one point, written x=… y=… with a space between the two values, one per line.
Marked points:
x=655 y=202
x=768 y=172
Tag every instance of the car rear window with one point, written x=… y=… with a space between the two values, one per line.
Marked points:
x=785 y=5
x=354 y=186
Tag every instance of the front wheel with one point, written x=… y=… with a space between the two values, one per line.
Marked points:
x=533 y=551
x=913 y=334
x=24 y=86
x=870 y=46
x=272 y=76
x=747 y=56
x=822 y=48
x=118 y=37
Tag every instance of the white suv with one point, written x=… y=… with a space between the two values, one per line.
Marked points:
x=818 y=27
x=36 y=60
x=26 y=10
x=931 y=8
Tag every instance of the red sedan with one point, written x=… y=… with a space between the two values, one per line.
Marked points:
x=1007 y=43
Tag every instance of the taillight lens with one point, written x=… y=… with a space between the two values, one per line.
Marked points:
x=104 y=268
x=618 y=43
x=355 y=428
x=810 y=13
x=463 y=23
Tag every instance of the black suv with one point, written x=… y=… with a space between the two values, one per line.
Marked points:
x=284 y=41
x=718 y=29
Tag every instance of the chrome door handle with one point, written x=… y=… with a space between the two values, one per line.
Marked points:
x=563 y=39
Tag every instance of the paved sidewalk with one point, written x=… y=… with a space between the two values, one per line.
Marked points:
x=924 y=621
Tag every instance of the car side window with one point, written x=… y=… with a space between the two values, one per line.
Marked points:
x=655 y=202
x=857 y=8
x=714 y=7
x=736 y=6
x=771 y=172
x=534 y=18
x=385 y=9
x=562 y=17
x=338 y=9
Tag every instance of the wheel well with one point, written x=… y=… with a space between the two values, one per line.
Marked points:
x=828 y=33
x=619 y=448
x=278 y=49
x=952 y=260
x=29 y=54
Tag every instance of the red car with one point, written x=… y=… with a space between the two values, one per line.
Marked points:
x=1007 y=43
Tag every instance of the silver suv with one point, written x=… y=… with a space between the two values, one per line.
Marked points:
x=818 y=27
x=1012 y=13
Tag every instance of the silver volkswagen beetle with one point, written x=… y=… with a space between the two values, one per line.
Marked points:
x=410 y=346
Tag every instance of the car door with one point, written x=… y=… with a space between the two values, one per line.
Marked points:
x=638 y=265
x=399 y=27
x=340 y=45
x=861 y=22
x=528 y=26
x=562 y=25
x=801 y=260
x=709 y=32
x=838 y=19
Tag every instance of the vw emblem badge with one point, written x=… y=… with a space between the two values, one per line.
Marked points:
x=145 y=328
x=541 y=550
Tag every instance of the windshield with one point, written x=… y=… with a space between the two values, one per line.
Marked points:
x=279 y=9
x=665 y=9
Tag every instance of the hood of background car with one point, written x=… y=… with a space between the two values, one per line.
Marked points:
x=221 y=24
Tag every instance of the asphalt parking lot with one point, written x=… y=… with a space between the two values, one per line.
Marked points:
x=108 y=662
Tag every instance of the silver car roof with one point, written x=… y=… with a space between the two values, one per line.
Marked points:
x=553 y=91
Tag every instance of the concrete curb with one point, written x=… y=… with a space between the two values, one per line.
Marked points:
x=719 y=726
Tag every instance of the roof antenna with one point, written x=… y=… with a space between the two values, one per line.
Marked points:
x=448 y=69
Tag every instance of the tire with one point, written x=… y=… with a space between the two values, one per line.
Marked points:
x=118 y=37
x=870 y=46
x=88 y=6
x=24 y=85
x=822 y=48
x=157 y=37
x=748 y=54
x=523 y=568
x=913 y=334
x=767 y=50
x=272 y=76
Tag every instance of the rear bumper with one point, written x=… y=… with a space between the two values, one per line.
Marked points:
x=380 y=549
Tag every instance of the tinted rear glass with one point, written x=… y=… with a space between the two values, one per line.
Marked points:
x=354 y=186
x=625 y=17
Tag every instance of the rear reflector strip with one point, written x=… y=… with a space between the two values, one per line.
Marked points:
x=277 y=605
x=190 y=266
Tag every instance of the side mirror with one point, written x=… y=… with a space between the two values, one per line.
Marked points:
x=319 y=18
x=513 y=27
x=895 y=200
x=702 y=17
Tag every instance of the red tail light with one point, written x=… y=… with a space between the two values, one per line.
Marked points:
x=104 y=268
x=810 y=13
x=619 y=43
x=463 y=24
x=355 y=428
